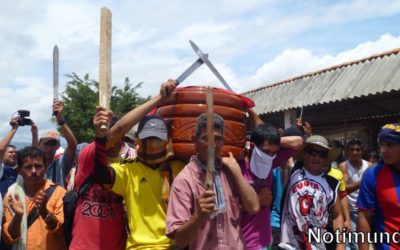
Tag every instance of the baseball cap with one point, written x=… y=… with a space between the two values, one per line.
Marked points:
x=49 y=135
x=153 y=126
x=390 y=133
x=131 y=134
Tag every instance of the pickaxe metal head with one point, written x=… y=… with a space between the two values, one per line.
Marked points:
x=204 y=58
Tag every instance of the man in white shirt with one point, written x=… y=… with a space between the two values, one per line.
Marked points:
x=353 y=169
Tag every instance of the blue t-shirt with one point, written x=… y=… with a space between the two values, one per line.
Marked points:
x=277 y=191
x=380 y=193
x=8 y=178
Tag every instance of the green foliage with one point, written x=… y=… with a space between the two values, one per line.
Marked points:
x=126 y=98
x=81 y=96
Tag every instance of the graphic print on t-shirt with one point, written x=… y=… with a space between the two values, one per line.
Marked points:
x=100 y=203
x=308 y=200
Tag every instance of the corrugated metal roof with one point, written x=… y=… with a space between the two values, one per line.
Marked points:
x=369 y=76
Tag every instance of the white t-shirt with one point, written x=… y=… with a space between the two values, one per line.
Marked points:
x=354 y=176
x=307 y=203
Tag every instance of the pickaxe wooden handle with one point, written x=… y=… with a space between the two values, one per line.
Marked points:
x=105 y=61
x=210 y=140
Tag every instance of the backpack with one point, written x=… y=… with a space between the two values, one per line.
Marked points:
x=70 y=202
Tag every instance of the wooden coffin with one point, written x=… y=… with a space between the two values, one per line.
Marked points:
x=183 y=107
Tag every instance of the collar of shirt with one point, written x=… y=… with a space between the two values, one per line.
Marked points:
x=218 y=164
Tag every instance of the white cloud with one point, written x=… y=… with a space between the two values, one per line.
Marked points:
x=33 y=97
x=150 y=43
x=293 y=62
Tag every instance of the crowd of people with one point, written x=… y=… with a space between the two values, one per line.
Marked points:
x=291 y=190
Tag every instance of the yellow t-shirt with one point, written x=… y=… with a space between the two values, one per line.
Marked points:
x=338 y=175
x=141 y=187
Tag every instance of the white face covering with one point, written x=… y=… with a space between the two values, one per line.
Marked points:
x=261 y=163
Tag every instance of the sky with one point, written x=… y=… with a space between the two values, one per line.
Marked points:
x=252 y=43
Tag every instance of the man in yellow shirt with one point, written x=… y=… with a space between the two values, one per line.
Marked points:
x=143 y=182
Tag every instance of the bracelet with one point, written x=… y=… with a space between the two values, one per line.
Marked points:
x=61 y=122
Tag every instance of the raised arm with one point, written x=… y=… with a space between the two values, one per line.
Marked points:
x=7 y=139
x=248 y=196
x=305 y=127
x=291 y=142
x=135 y=115
x=58 y=108
x=102 y=173
x=254 y=119
x=35 y=135
x=286 y=167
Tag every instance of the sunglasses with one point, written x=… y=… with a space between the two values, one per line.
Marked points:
x=313 y=152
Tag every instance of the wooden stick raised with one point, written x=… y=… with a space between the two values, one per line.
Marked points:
x=210 y=140
x=105 y=61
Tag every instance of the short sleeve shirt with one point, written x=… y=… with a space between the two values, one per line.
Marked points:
x=338 y=175
x=257 y=227
x=380 y=193
x=99 y=215
x=141 y=188
x=39 y=237
x=307 y=203
x=7 y=179
x=221 y=232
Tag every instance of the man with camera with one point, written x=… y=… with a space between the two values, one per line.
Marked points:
x=57 y=170
x=23 y=118
x=8 y=156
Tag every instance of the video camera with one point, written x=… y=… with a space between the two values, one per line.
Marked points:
x=23 y=118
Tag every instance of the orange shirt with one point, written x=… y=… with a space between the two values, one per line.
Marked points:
x=38 y=236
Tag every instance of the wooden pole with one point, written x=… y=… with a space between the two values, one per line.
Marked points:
x=210 y=139
x=105 y=60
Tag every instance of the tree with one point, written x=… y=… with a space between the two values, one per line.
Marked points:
x=81 y=97
x=126 y=98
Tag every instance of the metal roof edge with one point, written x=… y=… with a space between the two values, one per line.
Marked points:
x=335 y=67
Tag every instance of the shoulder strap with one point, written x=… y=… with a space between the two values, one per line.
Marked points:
x=33 y=215
x=50 y=190
x=86 y=185
x=334 y=185
x=332 y=182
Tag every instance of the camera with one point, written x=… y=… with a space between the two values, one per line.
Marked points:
x=23 y=118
